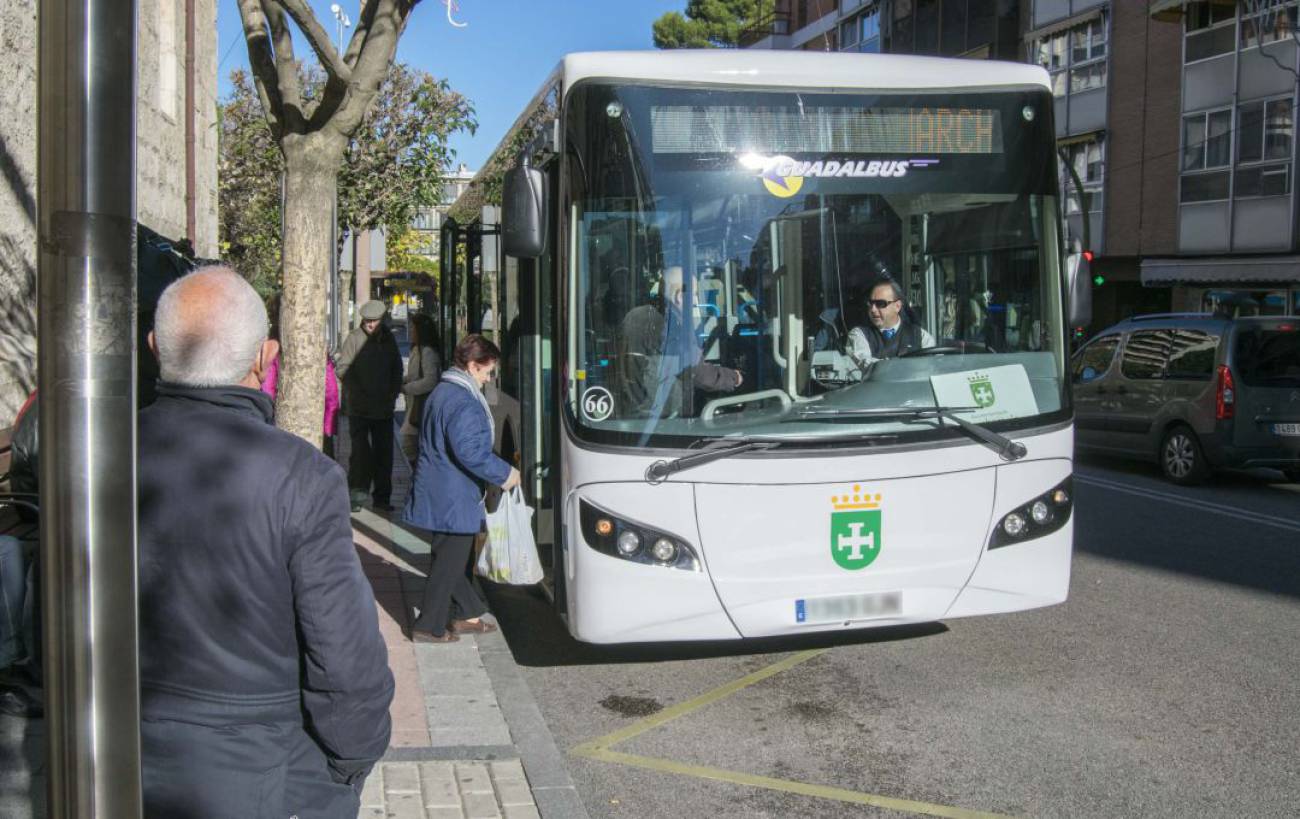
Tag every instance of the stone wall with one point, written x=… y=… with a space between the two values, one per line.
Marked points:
x=160 y=158
x=17 y=205
x=160 y=120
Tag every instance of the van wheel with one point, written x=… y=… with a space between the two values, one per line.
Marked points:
x=1181 y=458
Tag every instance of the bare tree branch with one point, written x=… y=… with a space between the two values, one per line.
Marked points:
x=365 y=17
x=387 y=21
x=286 y=67
x=262 y=62
x=318 y=38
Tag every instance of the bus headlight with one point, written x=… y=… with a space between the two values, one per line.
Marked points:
x=1037 y=517
x=618 y=537
x=629 y=543
x=664 y=550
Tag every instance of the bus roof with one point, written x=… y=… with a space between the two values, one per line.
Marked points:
x=809 y=70
x=802 y=69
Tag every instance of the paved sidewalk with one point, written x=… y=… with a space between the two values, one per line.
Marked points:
x=468 y=740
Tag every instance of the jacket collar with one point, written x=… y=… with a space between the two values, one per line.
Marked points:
x=243 y=400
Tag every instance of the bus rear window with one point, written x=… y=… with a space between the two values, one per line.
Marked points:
x=1269 y=357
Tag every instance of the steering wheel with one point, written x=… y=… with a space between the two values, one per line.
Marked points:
x=959 y=348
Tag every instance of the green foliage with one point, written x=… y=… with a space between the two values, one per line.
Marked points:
x=394 y=165
x=406 y=253
x=710 y=23
x=396 y=159
x=249 y=164
x=486 y=187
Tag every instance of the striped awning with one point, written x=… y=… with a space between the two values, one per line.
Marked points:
x=1222 y=270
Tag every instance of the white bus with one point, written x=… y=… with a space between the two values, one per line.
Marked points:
x=691 y=240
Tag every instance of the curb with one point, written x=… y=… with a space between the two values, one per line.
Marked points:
x=553 y=789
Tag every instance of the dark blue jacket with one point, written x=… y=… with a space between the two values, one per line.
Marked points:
x=264 y=678
x=456 y=462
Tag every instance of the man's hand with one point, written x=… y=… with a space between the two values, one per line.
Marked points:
x=512 y=481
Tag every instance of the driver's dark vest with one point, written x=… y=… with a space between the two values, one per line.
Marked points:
x=906 y=339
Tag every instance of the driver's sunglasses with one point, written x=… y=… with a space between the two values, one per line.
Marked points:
x=881 y=304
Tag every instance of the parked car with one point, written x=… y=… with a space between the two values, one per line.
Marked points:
x=1196 y=392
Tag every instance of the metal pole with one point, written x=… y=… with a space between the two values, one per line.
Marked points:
x=87 y=378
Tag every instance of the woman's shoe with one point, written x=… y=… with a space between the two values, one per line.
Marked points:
x=471 y=627
x=418 y=636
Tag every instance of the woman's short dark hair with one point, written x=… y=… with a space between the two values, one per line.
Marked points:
x=425 y=332
x=476 y=349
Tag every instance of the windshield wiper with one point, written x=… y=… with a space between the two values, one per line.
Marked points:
x=659 y=471
x=1006 y=448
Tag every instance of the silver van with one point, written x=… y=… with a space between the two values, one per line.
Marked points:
x=1195 y=392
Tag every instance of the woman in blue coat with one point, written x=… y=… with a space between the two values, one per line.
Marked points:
x=454 y=466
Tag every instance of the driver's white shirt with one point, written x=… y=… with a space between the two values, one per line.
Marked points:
x=860 y=349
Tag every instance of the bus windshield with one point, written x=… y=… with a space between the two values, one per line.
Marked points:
x=778 y=263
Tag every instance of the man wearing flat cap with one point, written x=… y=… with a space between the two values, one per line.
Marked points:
x=370 y=367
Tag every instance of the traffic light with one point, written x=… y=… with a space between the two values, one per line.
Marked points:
x=1099 y=280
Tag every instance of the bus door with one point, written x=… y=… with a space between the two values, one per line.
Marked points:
x=529 y=303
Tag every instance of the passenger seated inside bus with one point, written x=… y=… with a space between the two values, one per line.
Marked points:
x=660 y=360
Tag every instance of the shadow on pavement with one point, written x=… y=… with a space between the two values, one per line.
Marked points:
x=1179 y=538
x=538 y=638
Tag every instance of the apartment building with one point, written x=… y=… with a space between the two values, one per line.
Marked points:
x=1235 y=229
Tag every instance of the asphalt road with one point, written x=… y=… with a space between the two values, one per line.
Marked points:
x=1167 y=685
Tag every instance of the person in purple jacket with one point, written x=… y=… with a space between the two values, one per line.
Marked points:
x=454 y=466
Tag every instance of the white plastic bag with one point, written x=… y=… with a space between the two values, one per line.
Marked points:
x=510 y=554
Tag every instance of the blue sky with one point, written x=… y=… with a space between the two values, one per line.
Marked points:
x=498 y=60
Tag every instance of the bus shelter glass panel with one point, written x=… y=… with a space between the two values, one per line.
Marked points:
x=728 y=246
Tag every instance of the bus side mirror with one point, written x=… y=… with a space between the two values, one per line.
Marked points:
x=523 y=222
x=1079 y=298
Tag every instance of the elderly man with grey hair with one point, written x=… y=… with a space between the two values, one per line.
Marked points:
x=264 y=681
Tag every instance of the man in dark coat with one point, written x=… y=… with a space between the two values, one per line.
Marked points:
x=659 y=359
x=264 y=681
x=370 y=367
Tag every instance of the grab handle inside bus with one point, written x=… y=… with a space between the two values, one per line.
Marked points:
x=523 y=223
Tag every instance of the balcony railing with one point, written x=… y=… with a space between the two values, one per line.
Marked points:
x=778 y=22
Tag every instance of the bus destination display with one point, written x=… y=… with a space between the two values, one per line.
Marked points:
x=907 y=131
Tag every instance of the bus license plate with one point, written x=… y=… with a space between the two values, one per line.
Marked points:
x=1286 y=429
x=848 y=607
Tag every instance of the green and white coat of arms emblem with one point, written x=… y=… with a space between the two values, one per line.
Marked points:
x=981 y=390
x=855 y=530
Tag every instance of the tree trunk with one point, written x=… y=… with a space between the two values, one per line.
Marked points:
x=311 y=164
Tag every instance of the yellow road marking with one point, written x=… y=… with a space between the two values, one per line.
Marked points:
x=600 y=749
x=669 y=714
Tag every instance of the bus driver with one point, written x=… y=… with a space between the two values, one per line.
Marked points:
x=891 y=332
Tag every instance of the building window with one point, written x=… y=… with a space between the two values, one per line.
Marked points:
x=168 y=66
x=1088 y=160
x=862 y=32
x=1207 y=145
x=1268 y=26
x=1207 y=140
x=1211 y=30
x=1264 y=130
x=1263 y=137
x=1076 y=57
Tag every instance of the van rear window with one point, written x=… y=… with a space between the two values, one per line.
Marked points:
x=1269 y=357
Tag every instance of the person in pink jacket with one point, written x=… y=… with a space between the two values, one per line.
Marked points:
x=331 y=397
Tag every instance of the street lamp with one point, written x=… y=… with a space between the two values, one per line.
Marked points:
x=342 y=21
